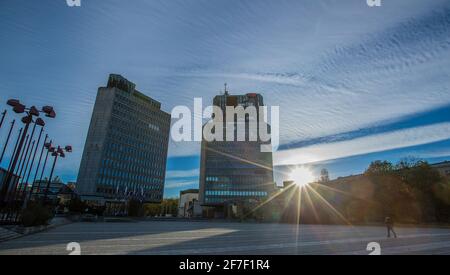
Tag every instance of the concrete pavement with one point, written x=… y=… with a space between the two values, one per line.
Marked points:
x=209 y=238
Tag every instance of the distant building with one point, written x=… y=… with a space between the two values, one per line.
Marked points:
x=40 y=188
x=58 y=192
x=443 y=168
x=66 y=194
x=126 y=147
x=189 y=205
x=234 y=174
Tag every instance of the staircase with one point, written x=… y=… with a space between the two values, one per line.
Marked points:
x=6 y=234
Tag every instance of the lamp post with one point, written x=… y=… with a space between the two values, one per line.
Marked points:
x=38 y=165
x=50 y=149
x=35 y=153
x=21 y=157
x=15 y=146
x=24 y=172
x=59 y=152
x=3 y=118
x=7 y=140
x=27 y=120
x=41 y=123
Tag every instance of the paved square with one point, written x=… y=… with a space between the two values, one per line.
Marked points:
x=209 y=238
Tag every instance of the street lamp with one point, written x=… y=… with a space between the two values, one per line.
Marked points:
x=15 y=146
x=7 y=140
x=56 y=152
x=26 y=160
x=39 y=165
x=3 y=118
x=27 y=120
x=49 y=148
x=21 y=157
x=41 y=123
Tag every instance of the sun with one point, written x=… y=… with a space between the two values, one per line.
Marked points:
x=302 y=176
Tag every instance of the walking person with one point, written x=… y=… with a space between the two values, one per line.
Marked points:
x=390 y=227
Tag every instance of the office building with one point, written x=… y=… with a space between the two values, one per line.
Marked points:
x=126 y=147
x=234 y=175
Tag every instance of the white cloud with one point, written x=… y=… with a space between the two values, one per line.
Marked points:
x=173 y=185
x=364 y=145
x=332 y=66
x=171 y=174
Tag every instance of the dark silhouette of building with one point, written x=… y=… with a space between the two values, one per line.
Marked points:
x=126 y=147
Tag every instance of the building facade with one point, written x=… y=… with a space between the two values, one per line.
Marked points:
x=189 y=205
x=126 y=147
x=235 y=174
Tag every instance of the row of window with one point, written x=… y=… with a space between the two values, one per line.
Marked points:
x=235 y=186
x=149 y=195
x=137 y=101
x=214 y=200
x=151 y=153
x=135 y=145
x=138 y=112
x=147 y=127
x=113 y=177
x=223 y=162
x=239 y=180
x=138 y=136
x=137 y=104
x=227 y=193
x=120 y=187
x=138 y=163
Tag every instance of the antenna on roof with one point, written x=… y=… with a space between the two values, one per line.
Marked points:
x=226 y=91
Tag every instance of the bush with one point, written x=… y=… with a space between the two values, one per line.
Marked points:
x=35 y=214
x=135 y=208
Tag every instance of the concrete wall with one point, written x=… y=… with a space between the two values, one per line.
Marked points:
x=95 y=140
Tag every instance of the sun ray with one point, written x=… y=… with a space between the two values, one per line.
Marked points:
x=311 y=203
x=277 y=194
x=299 y=208
x=334 y=210
x=239 y=158
x=342 y=192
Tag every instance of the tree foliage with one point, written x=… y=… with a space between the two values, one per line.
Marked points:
x=36 y=214
x=168 y=207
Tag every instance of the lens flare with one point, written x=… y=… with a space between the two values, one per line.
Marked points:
x=302 y=176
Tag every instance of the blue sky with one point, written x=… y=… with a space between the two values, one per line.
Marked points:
x=354 y=83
